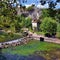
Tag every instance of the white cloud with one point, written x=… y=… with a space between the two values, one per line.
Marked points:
x=42 y=6
x=58 y=5
x=38 y=5
x=27 y=5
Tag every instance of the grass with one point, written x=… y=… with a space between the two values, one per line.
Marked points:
x=7 y=37
x=40 y=33
x=37 y=32
x=31 y=47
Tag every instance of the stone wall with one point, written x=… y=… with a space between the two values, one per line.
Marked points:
x=13 y=43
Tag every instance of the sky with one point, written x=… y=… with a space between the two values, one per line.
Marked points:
x=36 y=2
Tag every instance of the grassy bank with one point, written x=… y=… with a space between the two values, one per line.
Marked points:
x=31 y=47
x=9 y=36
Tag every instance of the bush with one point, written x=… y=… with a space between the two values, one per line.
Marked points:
x=49 y=25
x=27 y=22
x=58 y=30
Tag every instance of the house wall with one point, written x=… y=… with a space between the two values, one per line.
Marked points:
x=34 y=15
x=34 y=25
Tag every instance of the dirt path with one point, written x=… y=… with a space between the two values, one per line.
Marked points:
x=37 y=37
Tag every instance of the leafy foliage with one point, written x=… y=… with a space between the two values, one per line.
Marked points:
x=49 y=13
x=48 y=25
x=58 y=30
x=28 y=22
x=30 y=8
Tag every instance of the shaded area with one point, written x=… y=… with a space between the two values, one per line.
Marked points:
x=2 y=57
x=49 y=55
x=19 y=57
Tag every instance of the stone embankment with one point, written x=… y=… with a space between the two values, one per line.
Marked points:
x=14 y=42
x=25 y=40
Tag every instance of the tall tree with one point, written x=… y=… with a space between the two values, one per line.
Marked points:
x=51 y=3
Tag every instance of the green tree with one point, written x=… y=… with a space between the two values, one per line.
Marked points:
x=48 y=25
x=49 y=13
x=58 y=30
x=27 y=22
x=57 y=17
x=30 y=8
x=52 y=4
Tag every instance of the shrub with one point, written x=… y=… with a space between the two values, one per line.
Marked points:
x=48 y=25
x=27 y=22
x=58 y=30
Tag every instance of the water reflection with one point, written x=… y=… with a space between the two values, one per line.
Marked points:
x=2 y=57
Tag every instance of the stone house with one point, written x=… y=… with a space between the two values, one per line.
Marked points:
x=33 y=14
